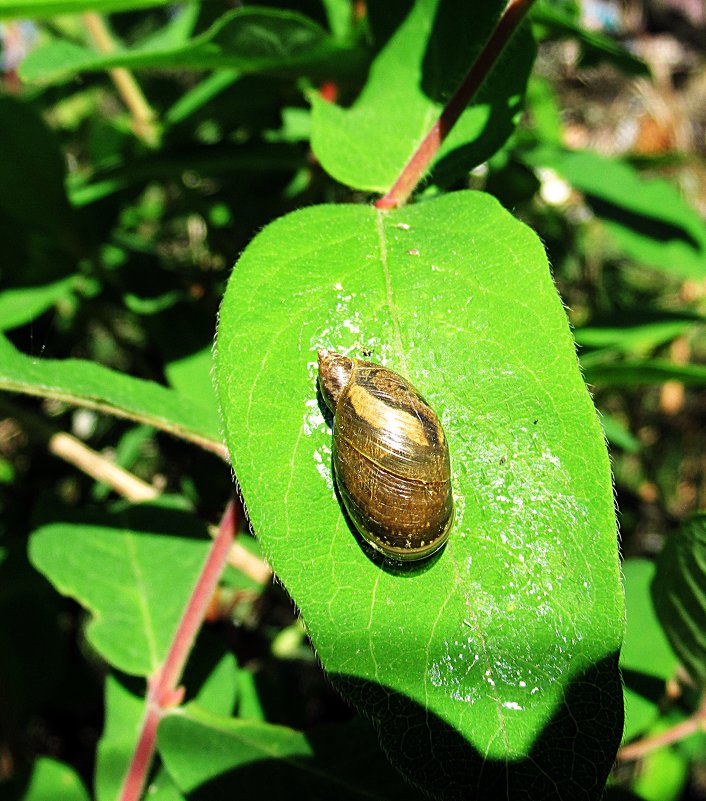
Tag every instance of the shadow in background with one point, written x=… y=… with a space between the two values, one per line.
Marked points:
x=644 y=226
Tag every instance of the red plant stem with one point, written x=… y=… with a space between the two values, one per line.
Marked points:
x=415 y=169
x=162 y=692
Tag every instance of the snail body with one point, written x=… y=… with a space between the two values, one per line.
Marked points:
x=390 y=457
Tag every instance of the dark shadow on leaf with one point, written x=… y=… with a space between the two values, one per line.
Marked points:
x=647 y=686
x=458 y=33
x=569 y=761
x=385 y=18
x=162 y=516
x=445 y=65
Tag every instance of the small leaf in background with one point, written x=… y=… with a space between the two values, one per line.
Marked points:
x=638 y=373
x=646 y=654
x=419 y=67
x=248 y=39
x=21 y=305
x=679 y=594
x=134 y=448
x=618 y=435
x=476 y=652
x=226 y=758
x=663 y=772
x=52 y=780
x=636 y=336
x=134 y=573
x=125 y=710
x=88 y=384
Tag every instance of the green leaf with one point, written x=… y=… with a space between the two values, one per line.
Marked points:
x=679 y=594
x=23 y=304
x=204 y=91
x=412 y=78
x=638 y=373
x=87 y=384
x=52 y=780
x=50 y=8
x=124 y=712
x=473 y=654
x=618 y=435
x=190 y=375
x=648 y=219
x=249 y=39
x=229 y=757
x=639 y=338
x=133 y=573
x=664 y=772
x=645 y=647
x=646 y=654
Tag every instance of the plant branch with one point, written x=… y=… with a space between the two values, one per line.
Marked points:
x=680 y=731
x=163 y=691
x=75 y=452
x=123 y=482
x=415 y=169
x=143 y=116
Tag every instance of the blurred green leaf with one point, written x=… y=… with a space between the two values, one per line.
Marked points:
x=249 y=704
x=648 y=219
x=522 y=612
x=618 y=435
x=129 y=451
x=49 y=8
x=340 y=14
x=646 y=654
x=664 y=772
x=84 y=383
x=639 y=337
x=249 y=39
x=637 y=373
x=413 y=76
x=52 y=780
x=212 y=161
x=124 y=712
x=190 y=375
x=227 y=757
x=679 y=594
x=204 y=91
x=135 y=575
x=23 y=304
x=543 y=106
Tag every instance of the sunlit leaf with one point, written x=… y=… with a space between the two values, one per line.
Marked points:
x=487 y=653
x=134 y=574
x=430 y=47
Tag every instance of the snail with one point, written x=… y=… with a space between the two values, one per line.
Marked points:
x=390 y=457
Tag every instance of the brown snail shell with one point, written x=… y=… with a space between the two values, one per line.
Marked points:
x=390 y=457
